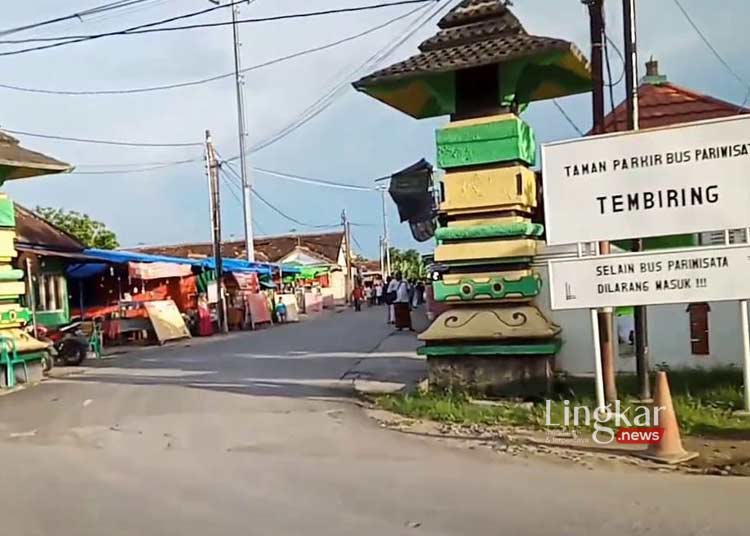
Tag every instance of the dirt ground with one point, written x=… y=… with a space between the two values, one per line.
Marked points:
x=722 y=457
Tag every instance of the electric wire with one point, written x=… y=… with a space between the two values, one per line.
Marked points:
x=77 y=16
x=567 y=117
x=165 y=87
x=610 y=84
x=236 y=178
x=150 y=27
x=713 y=49
x=231 y=188
x=100 y=141
x=303 y=118
x=329 y=98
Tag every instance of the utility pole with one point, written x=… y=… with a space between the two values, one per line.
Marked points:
x=348 y=253
x=212 y=170
x=631 y=98
x=605 y=316
x=386 y=242
x=239 y=78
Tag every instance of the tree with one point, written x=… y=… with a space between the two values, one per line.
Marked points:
x=408 y=262
x=91 y=233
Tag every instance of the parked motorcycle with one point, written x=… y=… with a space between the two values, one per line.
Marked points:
x=68 y=344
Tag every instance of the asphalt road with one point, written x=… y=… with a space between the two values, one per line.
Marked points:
x=256 y=434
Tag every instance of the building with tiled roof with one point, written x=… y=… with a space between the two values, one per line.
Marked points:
x=662 y=103
x=36 y=233
x=320 y=248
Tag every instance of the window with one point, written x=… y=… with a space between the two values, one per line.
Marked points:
x=698 y=313
x=51 y=292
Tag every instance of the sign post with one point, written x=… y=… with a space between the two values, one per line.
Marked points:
x=602 y=188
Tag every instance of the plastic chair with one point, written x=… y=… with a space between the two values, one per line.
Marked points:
x=93 y=332
x=10 y=358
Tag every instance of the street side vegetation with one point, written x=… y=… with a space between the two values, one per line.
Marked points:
x=704 y=401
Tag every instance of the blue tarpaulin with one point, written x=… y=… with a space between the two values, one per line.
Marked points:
x=122 y=257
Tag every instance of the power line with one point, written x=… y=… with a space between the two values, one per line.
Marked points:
x=287 y=216
x=231 y=187
x=567 y=117
x=224 y=165
x=317 y=182
x=149 y=28
x=217 y=77
x=130 y=171
x=98 y=141
x=308 y=114
x=106 y=17
x=324 y=102
x=140 y=164
x=611 y=43
x=610 y=84
x=70 y=39
x=78 y=15
x=715 y=52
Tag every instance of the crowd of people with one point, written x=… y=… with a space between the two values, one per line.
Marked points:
x=400 y=295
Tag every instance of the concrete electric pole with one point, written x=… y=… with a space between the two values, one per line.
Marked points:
x=386 y=242
x=247 y=199
x=348 y=253
x=212 y=170
x=606 y=317
x=640 y=319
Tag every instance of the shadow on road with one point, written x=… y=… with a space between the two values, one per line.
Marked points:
x=317 y=358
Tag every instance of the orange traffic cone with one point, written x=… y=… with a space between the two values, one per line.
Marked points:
x=669 y=449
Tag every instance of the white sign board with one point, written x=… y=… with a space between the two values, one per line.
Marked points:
x=679 y=276
x=686 y=179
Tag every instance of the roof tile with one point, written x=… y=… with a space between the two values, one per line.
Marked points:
x=267 y=249
x=667 y=104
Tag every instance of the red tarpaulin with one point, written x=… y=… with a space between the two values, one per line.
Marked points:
x=248 y=281
x=313 y=302
x=258 y=308
x=158 y=270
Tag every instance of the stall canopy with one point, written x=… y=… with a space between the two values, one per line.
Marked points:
x=95 y=261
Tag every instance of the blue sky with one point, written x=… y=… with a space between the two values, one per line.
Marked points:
x=355 y=140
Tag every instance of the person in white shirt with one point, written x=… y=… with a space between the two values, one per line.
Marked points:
x=401 y=306
x=390 y=297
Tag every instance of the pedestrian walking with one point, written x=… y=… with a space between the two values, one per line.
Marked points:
x=379 y=292
x=357 y=296
x=401 y=306
x=390 y=297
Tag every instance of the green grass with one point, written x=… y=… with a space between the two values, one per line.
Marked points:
x=703 y=399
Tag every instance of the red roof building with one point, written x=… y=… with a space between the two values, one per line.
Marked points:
x=320 y=248
x=662 y=103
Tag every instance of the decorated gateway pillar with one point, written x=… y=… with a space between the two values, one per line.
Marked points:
x=482 y=68
x=20 y=353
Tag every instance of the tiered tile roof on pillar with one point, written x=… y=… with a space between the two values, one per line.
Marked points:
x=483 y=68
x=474 y=34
